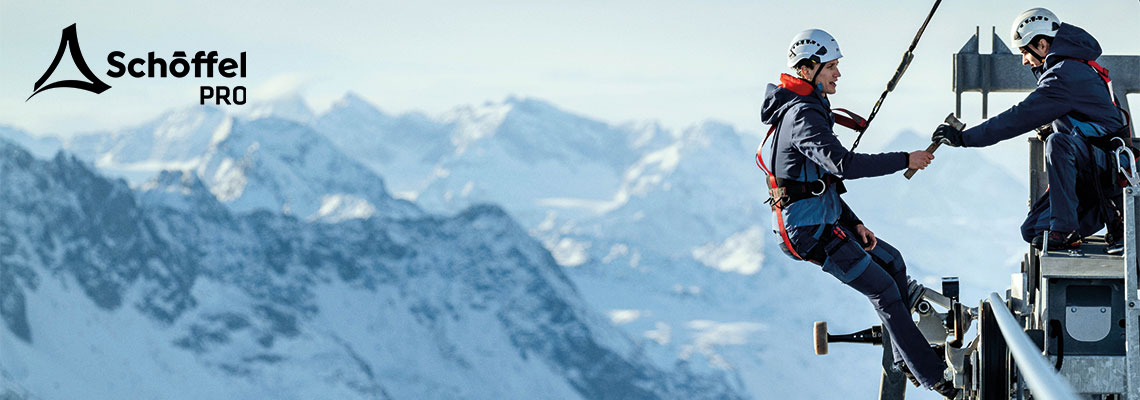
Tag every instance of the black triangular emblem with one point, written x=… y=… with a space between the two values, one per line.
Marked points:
x=93 y=85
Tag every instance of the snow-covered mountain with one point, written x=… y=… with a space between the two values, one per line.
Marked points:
x=168 y=138
x=664 y=232
x=698 y=189
x=280 y=165
x=167 y=293
x=41 y=146
x=677 y=245
x=404 y=149
x=175 y=140
x=555 y=159
x=270 y=162
x=288 y=106
x=522 y=153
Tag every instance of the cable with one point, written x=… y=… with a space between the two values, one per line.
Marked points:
x=907 y=58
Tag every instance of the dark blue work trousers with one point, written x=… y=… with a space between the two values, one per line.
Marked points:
x=1073 y=202
x=879 y=274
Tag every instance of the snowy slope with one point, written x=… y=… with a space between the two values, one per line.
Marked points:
x=527 y=155
x=404 y=149
x=41 y=146
x=700 y=188
x=270 y=162
x=174 y=140
x=165 y=293
x=279 y=165
x=755 y=323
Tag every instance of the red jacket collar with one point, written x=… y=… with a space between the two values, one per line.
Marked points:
x=796 y=85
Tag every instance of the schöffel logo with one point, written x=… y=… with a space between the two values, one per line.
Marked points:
x=201 y=65
x=93 y=84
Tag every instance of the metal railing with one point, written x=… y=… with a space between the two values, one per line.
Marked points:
x=1041 y=378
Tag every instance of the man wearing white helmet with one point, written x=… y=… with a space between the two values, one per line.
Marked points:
x=806 y=164
x=1073 y=95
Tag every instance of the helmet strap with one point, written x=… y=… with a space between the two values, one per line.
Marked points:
x=816 y=74
x=1029 y=47
x=1035 y=55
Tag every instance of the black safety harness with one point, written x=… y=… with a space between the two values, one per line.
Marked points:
x=1111 y=211
x=782 y=192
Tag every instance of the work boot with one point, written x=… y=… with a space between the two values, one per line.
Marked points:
x=1059 y=241
x=1115 y=243
x=945 y=387
x=1115 y=248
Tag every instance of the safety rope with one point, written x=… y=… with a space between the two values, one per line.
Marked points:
x=907 y=58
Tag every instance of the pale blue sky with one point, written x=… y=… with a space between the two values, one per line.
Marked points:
x=678 y=62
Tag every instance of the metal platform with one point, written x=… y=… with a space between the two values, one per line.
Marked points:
x=1087 y=262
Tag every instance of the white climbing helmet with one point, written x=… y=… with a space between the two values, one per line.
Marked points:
x=1032 y=23
x=815 y=45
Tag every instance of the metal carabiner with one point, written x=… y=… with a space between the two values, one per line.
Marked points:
x=821 y=191
x=1130 y=174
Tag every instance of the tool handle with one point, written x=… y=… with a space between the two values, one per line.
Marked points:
x=929 y=149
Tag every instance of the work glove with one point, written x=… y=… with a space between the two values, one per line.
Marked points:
x=1044 y=131
x=946 y=134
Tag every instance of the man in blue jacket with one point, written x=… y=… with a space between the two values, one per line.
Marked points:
x=806 y=164
x=1073 y=94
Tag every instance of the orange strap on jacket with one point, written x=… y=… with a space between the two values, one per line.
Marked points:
x=776 y=206
x=1103 y=73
